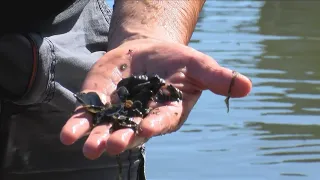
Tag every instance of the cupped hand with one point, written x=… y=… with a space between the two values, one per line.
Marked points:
x=187 y=69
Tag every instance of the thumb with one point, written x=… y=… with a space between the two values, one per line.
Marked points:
x=205 y=70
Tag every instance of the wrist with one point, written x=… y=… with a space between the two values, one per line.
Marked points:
x=123 y=35
x=168 y=21
x=135 y=44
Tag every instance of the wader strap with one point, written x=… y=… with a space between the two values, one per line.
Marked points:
x=6 y=110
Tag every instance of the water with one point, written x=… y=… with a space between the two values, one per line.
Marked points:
x=272 y=134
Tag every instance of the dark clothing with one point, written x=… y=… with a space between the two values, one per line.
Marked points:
x=26 y=14
x=40 y=69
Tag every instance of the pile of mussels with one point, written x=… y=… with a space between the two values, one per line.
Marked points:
x=135 y=94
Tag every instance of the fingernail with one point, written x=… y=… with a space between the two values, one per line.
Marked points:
x=113 y=149
x=245 y=77
x=66 y=138
x=88 y=153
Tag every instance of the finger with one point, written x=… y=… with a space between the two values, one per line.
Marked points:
x=204 y=69
x=76 y=127
x=120 y=140
x=167 y=119
x=96 y=142
x=161 y=120
x=78 y=124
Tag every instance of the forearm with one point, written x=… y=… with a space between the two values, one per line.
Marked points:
x=165 y=20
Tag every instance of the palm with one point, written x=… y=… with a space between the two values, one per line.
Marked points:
x=185 y=68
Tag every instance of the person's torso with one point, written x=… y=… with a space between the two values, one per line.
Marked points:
x=18 y=16
x=67 y=47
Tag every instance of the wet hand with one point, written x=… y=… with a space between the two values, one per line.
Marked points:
x=187 y=69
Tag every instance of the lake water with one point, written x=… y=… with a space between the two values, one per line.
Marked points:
x=272 y=134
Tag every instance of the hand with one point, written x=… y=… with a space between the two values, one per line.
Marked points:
x=182 y=66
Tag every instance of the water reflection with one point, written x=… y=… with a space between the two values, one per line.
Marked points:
x=296 y=59
x=290 y=18
x=288 y=143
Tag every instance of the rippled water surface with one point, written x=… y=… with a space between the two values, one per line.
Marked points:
x=272 y=134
